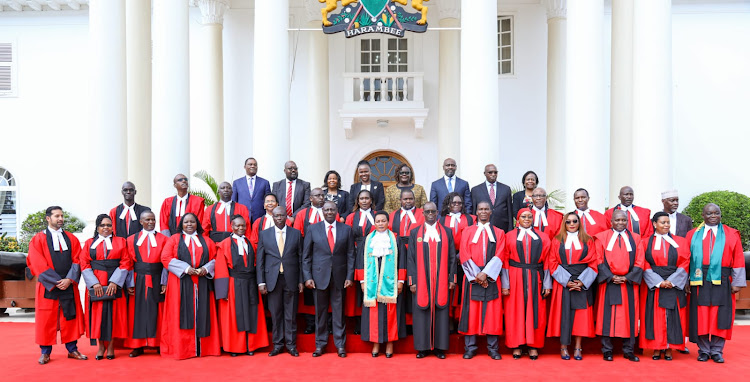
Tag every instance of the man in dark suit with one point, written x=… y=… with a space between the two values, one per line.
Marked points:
x=366 y=183
x=292 y=190
x=498 y=195
x=680 y=224
x=450 y=183
x=250 y=190
x=328 y=268
x=279 y=271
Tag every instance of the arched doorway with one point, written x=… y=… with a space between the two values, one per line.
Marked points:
x=383 y=165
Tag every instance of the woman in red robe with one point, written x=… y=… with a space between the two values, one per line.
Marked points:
x=190 y=326
x=526 y=250
x=455 y=218
x=573 y=262
x=241 y=315
x=265 y=221
x=362 y=221
x=663 y=298
x=105 y=265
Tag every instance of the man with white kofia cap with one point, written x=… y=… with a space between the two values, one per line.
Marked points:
x=680 y=224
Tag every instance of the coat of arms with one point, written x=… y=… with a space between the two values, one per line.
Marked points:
x=374 y=16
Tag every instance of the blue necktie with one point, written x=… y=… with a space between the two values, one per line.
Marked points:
x=450 y=184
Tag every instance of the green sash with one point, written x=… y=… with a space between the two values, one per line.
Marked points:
x=696 y=257
x=380 y=277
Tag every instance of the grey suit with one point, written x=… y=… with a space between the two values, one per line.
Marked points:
x=301 y=197
x=684 y=225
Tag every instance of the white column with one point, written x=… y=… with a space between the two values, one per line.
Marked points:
x=207 y=134
x=449 y=85
x=556 y=49
x=108 y=129
x=271 y=87
x=652 y=101
x=621 y=101
x=480 y=119
x=586 y=138
x=138 y=47
x=170 y=129
x=315 y=137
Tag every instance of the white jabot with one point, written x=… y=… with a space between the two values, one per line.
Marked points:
x=613 y=240
x=241 y=244
x=673 y=223
x=658 y=238
x=431 y=233
x=713 y=228
x=107 y=240
x=381 y=244
x=572 y=240
x=587 y=214
x=410 y=213
x=486 y=228
x=522 y=232
x=147 y=234
x=223 y=205
x=630 y=211
x=126 y=210
x=58 y=240
x=269 y=221
x=539 y=214
x=182 y=202
x=194 y=236
x=365 y=214
x=315 y=211
x=455 y=218
x=365 y=187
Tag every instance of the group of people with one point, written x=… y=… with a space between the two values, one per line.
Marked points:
x=478 y=260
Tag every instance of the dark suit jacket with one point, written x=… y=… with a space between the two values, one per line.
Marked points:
x=376 y=189
x=301 y=194
x=319 y=264
x=502 y=211
x=269 y=259
x=684 y=225
x=438 y=191
x=241 y=195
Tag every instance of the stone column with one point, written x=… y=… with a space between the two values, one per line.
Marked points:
x=556 y=49
x=480 y=119
x=652 y=101
x=138 y=47
x=271 y=87
x=586 y=140
x=621 y=102
x=170 y=129
x=449 y=85
x=207 y=134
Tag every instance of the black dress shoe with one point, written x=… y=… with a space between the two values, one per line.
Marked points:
x=656 y=356
x=375 y=355
x=98 y=357
x=440 y=354
x=607 y=356
x=495 y=355
x=357 y=332
x=136 y=352
x=342 y=352
x=110 y=356
x=275 y=352
x=631 y=357
x=667 y=357
x=703 y=357
x=717 y=358
x=684 y=351
x=318 y=352
x=469 y=354
x=309 y=330
x=250 y=353
x=421 y=354
x=388 y=355
x=293 y=352
x=234 y=354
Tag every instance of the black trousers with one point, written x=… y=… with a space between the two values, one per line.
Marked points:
x=282 y=303
x=333 y=295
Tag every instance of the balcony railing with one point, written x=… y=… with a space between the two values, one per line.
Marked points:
x=385 y=88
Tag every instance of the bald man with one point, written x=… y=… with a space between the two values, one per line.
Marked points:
x=126 y=216
x=175 y=207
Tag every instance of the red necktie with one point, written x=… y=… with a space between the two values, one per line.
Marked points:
x=331 y=243
x=492 y=194
x=127 y=224
x=403 y=224
x=289 y=199
x=710 y=241
x=316 y=218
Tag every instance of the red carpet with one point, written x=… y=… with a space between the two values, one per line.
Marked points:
x=19 y=356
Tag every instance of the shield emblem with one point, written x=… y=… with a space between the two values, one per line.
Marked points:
x=374 y=7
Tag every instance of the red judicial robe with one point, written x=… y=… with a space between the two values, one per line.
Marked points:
x=190 y=325
x=145 y=306
x=525 y=310
x=126 y=226
x=600 y=222
x=554 y=222
x=56 y=310
x=457 y=230
x=481 y=308
x=241 y=315
x=642 y=227
x=259 y=225
x=709 y=308
x=169 y=217
x=618 y=305
x=106 y=320
x=664 y=311
x=572 y=313
x=401 y=226
x=218 y=226
x=354 y=296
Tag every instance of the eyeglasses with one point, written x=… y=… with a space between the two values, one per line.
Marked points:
x=404 y=173
x=538 y=196
x=181 y=180
x=571 y=222
x=105 y=225
x=429 y=212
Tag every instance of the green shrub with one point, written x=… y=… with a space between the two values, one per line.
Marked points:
x=735 y=211
x=36 y=223
x=9 y=244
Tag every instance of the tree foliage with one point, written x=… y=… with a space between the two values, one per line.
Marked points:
x=735 y=211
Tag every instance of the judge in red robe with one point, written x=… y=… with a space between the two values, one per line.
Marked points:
x=593 y=221
x=126 y=216
x=265 y=221
x=546 y=220
x=53 y=259
x=663 y=300
x=146 y=284
x=362 y=222
x=105 y=265
x=455 y=219
x=638 y=217
x=620 y=273
x=717 y=272
x=175 y=207
x=190 y=326
x=402 y=221
x=526 y=251
x=481 y=257
x=573 y=262
x=241 y=315
x=431 y=270
x=217 y=222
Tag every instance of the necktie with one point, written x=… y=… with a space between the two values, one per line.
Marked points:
x=289 y=199
x=251 y=186
x=710 y=241
x=178 y=212
x=331 y=243
x=450 y=184
x=492 y=194
x=280 y=243
x=403 y=224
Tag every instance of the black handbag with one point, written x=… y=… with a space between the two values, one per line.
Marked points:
x=93 y=297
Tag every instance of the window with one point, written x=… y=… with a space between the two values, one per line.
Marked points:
x=383 y=166
x=8 y=195
x=7 y=69
x=371 y=53
x=505 y=45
